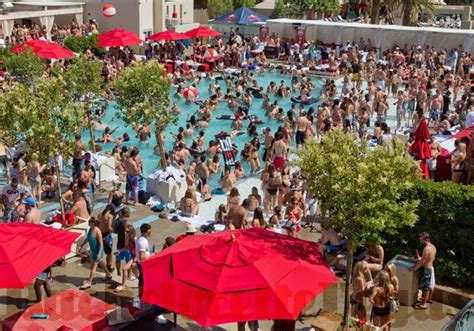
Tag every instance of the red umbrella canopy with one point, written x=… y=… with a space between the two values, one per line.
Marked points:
x=118 y=37
x=239 y=275
x=202 y=32
x=167 y=35
x=28 y=249
x=44 y=49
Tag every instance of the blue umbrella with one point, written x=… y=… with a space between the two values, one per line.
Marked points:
x=242 y=16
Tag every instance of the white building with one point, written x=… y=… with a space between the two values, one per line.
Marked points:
x=42 y=12
x=144 y=17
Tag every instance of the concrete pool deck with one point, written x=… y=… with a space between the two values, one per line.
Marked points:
x=77 y=269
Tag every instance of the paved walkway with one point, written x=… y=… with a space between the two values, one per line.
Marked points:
x=77 y=269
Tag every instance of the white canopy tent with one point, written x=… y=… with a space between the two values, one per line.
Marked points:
x=382 y=36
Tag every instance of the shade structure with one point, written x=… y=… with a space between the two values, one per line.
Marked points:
x=190 y=93
x=167 y=35
x=242 y=16
x=44 y=49
x=239 y=275
x=202 y=31
x=118 y=38
x=27 y=249
x=421 y=148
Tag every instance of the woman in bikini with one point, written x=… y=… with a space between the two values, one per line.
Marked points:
x=380 y=297
x=293 y=216
x=272 y=186
x=233 y=199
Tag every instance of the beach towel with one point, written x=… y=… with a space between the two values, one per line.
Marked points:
x=227 y=151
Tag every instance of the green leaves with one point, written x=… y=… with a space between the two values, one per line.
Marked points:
x=79 y=44
x=45 y=119
x=361 y=190
x=26 y=66
x=83 y=77
x=143 y=95
x=300 y=8
x=244 y=3
x=216 y=8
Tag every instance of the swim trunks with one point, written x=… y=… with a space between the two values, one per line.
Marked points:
x=427 y=280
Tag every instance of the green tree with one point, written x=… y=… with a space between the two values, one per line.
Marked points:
x=280 y=10
x=410 y=8
x=216 y=8
x=301 y=8
x=244 y=3
x=79 y=44
x=44 y=119
x=375 y=11
x=16 y=109
x=143 y=95
x=25 y=67
x=360 y=190
x=85 y=83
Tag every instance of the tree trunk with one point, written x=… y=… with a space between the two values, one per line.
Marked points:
x=161 y=148
x=348 y=282
x=91 y=131
x=375 y=12
x=60 y=192
x=407 y=12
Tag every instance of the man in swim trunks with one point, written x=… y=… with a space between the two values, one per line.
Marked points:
x=279 y=151
x=302 y=125
x=425 y=265
x=132 y=165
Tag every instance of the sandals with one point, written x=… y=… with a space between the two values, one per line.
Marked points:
x=85 y=286
x=105 y=279
x=119 y=288
x=419 y=306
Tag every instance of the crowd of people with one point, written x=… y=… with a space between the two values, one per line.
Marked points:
x=425 y=82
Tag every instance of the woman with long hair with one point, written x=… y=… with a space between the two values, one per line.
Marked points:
x=94 y=238
x=380 y=297
x=258 y=219
x=233 y=199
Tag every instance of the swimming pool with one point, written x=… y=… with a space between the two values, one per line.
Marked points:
x=151 y=160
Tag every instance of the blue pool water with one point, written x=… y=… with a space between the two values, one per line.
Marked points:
x=151 y=160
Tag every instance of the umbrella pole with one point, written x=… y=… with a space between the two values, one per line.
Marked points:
x=58 y=178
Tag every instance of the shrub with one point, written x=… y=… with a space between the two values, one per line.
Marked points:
x=446 y=212
x=80 y=44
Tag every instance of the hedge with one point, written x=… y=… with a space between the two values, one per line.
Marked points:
x=446 y=212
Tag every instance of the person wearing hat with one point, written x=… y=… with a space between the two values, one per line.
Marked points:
x=190 y=231
x=11 y=194
x=32 y=212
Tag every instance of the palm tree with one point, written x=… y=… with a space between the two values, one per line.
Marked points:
x=375 y=11
x=410 y=8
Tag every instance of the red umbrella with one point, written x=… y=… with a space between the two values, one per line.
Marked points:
x=421 y=148
x=202 y=32
x=118 y=37
x=168 y=35
x=234 y=276
x=27 y=249
x=44 y=49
